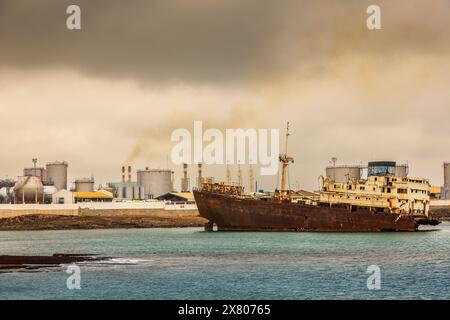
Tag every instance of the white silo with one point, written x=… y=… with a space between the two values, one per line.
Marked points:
x=84 y=185
x=138 y=192
x=155 y=182
x=401 y=170
x=129 y=192
x=343 y=173
x=446 y=188
x=57 y=173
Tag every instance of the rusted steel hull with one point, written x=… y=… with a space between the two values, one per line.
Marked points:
x=246 y=214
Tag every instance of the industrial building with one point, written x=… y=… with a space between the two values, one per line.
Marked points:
x=127 y=189
x=155 y=182
x=96 y=196
x=63 y=197
x=435 y=192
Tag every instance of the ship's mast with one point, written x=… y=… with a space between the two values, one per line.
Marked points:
x=239 y=174
x=285 y=160
x=251 y=179
x=228 y=174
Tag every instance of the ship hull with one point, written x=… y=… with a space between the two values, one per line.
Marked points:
x=231 y=213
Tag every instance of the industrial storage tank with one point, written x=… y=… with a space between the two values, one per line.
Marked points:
x=57 y=173
x=121 y=192
x=343 y=173
x=155 y=182
x=401 y=170
x=84 y=185
x=28 y=189
x=446 y=189
x=129 y=192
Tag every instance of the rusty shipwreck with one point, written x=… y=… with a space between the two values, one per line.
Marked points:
x=382 y=202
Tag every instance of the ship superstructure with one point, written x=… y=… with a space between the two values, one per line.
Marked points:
x=399 y=195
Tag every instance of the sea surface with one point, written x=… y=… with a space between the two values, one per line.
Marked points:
x=189 y=263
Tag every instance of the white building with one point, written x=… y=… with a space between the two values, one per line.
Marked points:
x=63 y=197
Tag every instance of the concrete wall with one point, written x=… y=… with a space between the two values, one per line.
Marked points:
x=99 y=208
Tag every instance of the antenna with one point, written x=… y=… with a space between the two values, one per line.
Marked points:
x=333 y=161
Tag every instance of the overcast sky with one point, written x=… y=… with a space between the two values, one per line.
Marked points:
x=112 y=93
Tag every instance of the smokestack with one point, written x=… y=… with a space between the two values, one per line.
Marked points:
x=123 y=173
x=129 y=173
x=172 y=177
x=185 y=179
x=200 y=179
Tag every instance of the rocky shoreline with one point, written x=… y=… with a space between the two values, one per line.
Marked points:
x=64 y=222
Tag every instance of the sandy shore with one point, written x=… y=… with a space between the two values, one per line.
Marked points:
x=62 y=222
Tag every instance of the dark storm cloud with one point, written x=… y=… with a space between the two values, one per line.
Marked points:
x=211 y=41
x=156 y=40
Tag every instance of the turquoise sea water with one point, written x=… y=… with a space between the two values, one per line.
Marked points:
x=189 y=263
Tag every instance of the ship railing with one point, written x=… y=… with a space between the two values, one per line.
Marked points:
x=222 y=188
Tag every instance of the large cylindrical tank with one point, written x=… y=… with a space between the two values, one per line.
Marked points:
x=137 y=192
x=121 y=192
x=155 y=182
x=401 y=170
x=446 y=189
x=84 y=185
x=28 y=189
x=343 y=173
x=57 y=173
